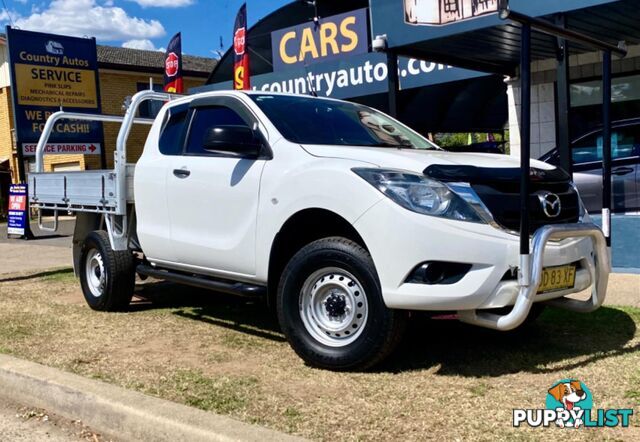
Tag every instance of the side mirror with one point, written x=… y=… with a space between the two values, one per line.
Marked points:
x=231 y=139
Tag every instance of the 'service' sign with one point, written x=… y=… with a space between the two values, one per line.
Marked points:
x=48 y=72
x=329 y=38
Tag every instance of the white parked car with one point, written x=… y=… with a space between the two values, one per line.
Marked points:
x=342 y=217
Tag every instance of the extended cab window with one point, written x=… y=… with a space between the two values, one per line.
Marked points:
x=204 y=119
x=172 y=137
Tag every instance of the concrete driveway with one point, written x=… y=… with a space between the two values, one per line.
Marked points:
x=46 y=252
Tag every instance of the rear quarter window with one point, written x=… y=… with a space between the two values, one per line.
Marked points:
x=174 y=130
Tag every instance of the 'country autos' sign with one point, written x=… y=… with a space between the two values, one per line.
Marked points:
x=49 y=72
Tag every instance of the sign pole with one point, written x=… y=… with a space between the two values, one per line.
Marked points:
x=103 y=150
x=606 y=146
x=394 y=82
x=22 y=173
x=564 y=101
x=525 y=136
x=525 y=151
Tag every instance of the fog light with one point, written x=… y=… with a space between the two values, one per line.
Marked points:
x=438 y=272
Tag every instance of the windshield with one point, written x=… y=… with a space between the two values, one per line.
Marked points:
x=307 y=120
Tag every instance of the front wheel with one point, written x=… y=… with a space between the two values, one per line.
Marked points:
x=107 y=276
x=331 y=310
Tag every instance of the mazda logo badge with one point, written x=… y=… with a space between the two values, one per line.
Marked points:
x=551 y=205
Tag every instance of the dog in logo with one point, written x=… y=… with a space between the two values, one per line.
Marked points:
x=568 y=394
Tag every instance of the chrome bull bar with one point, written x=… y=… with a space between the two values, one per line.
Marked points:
x=530 y=276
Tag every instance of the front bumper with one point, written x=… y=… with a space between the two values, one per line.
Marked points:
x=410 y=239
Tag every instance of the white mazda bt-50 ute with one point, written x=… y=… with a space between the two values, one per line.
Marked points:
x=341 y=217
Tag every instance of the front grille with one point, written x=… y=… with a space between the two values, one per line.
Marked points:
x=499 y=190
x=503 y=201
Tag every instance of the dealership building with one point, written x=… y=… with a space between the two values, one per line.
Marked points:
x=292 y=51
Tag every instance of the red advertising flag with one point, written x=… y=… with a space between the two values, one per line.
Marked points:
x=241 y=74
x=173 y=66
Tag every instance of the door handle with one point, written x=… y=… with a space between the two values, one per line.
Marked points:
x=620 y=171
x=181 y=173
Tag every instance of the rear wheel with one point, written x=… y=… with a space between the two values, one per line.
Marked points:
x=107 y=276
x=330 y=307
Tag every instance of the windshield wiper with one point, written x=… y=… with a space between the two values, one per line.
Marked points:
x=397 y=146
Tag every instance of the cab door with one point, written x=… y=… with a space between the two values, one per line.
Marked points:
x=152 y=211
x=213 y=197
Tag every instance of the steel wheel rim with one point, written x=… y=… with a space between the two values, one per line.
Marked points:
x=333 y=307
x=95 y=274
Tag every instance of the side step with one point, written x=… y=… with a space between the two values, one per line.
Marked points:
x=229 y=287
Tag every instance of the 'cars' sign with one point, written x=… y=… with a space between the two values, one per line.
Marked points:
x=441 y=12
x=322 y=40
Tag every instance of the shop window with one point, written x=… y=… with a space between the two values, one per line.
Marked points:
x=586 y=103
x=66 y=167
x=451 y=6
x=150 y=109
x=589 y=93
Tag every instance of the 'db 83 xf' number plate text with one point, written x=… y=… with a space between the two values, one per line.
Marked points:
x=557 y=278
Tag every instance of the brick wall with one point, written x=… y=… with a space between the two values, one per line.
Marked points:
x=6 y=124
x=115 y=87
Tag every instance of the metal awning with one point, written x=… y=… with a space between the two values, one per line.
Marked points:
x=491 y=45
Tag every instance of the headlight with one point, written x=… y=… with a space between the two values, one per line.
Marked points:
x=420 y=194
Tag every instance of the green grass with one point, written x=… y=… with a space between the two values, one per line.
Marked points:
x=62 y=276
x=479 y=390
x=227 y=356
x=634 y=392
x=222 y=394
x=27 y=326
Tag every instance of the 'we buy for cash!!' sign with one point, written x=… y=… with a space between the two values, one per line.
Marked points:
x=48 y=72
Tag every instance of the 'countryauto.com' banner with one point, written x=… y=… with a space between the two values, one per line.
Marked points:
x=49 y=72
x=355 y=76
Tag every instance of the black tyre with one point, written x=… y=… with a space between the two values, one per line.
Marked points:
x=331 y=310
x=107 y=277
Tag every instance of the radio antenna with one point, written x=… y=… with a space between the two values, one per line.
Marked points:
x=312 y=90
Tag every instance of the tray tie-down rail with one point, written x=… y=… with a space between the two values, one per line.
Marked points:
x=530 y=276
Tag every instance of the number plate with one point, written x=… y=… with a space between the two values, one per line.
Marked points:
x=557 y=278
